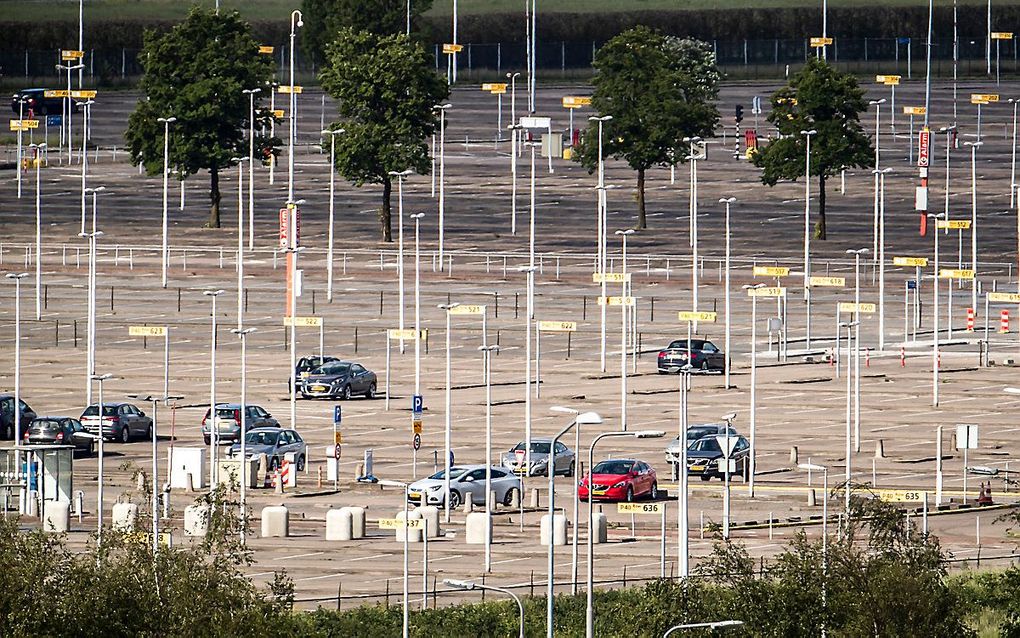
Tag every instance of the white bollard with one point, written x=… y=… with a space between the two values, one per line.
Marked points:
x=125 y=515
x=478 y=528
x=196 y=520
x=559 y=532
x=56 y=517
x=339 y=525
x=413 y=535
x=357 y=521
x=431 y=514
x=600 y=528
x=275 y=521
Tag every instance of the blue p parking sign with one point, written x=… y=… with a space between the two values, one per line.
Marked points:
x=416 y=404
x=336 y=414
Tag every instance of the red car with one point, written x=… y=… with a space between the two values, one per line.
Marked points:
x=620 y=480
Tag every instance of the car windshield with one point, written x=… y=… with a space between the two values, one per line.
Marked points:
x=614 y=467
x=45 y=424
x=262 y=438
x=706 y=444
x=93 y=410
x=537 y=447
x=336 y=367
x=455 y=472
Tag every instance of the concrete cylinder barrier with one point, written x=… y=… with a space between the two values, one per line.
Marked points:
x=125 y=516
x=56 y=517
x=559 y=530
x=478 y=528
x=196 y=520
x=275 y=521
x=431 y=514
x=599 y=528
x=357 y=521
x=339 y=525
x=413 y=535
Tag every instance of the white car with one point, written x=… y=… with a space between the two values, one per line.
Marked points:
x=465 y=481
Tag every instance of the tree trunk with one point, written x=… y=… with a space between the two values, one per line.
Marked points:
x=820 y=228
x=214 y=198
x=384 y=212
x=642 y=221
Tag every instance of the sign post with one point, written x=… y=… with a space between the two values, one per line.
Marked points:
x=655 y=507
x=549 y=326
x=966 y=439
x=337 y=441
x=156 y=331
x=417 y=405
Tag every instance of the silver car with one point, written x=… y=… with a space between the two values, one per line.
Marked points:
x=466 y=481
x=275 y=444
x=515 y=460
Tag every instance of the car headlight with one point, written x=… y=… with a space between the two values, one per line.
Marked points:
x=435 y=488
x=540 y=462
x=620 y=484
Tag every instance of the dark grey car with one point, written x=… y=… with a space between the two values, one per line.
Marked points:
x=7 y=416
x=121 y=422
x=275 y=444
x=339 y=380
x=60 y=430
x=705 y=356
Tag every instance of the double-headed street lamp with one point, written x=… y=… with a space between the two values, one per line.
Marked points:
x=471 y=585
x=214 y=429
x=589 y=613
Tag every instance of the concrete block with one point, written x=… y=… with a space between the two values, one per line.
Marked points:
x=56 y=517
x=184 y=461
x=357 y=521
x=559 y=530
x=812 y=499
x=478 y=528
x=430 y=513
x=599 y=528
x=794 y=455
x=125 y=516
x=880 y=449
x=413 y=535
x=275 y=521
x=339 y=525
x=535 y=504
x=196 y=520
x=515 y=500
x=229 y=472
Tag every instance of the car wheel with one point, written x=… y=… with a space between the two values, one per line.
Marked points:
x=706 y=477
x=508 y=498
x=125 y=434
x=454 y=499
x=148 y=432
x=630 y=494
x=92 y=448
x=9 y=432
x=345 y=394
x=654 y=493
x=370 y=394
x=570 y=470
x=207 y=440
x=301 y=463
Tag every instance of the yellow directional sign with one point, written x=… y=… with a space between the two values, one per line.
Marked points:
x=575 y=101
x=277 y=113
x=147 y=331
x=557 y=326
x=771 y=271
x=284 y=88
x=914 y=110
x=832 y=282
x=616 y=301
x=416 y=426
x=396 y=523
x=494 y=87
x=1002 y=35
x=610 y=277
x=338 y=438
x=57 y=93
x=1004 y=297
x=641 y=508
x=24 y=125
x=84 y=95
x=820 y=42
x=849 y=306
x=888 y=80
x=901 y=496
x=450 y=49
x=766 y=292
x=467 y=310
x=407 y=334
x=983 y=98
x=952 y=224
x=303 y=322
x=266 y=50
x=917 y=262
x=684 y=315
x=950 y=273
x=68 y=54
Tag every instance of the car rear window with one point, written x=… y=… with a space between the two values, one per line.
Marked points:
x=262 y=438
x=93 y=410
x=45 y=424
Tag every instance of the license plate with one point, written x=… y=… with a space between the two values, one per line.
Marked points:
x=697 y=468
x=414 y=495
x=599 y=492
x=319 y=388
x=305 y=375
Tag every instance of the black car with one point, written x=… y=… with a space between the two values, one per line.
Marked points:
x=705 y=356
x=7 y=416
x=37 y=102
x=694 y=433
x=339 y=380
x=705 y=455
x=60 y=430
x=305 y=365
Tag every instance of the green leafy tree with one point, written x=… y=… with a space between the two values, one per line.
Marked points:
x=830 y=102
x=323 y=18
x=386 y=89
x=658 y=89
x=196 y=72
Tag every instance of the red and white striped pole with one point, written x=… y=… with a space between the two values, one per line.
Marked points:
x=1004 y=321
x=970 y=320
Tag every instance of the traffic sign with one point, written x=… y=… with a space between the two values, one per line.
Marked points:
x=54 y=120
x=147 y=331
x=640 y=508
x=303 y=322
x=914 y=110
x=888 y=80
x=610 y=277
x=575 y=101
x=819 y=42
x=1004 y=297
x=450 y=49
x=1002 y=35
x=849 y=306
x=338 y=437
x=467 y=310
x=407 y=334
x=67 y=54
x=686 y=315
x=266 y=50
x=766 y=292
x=923 y=145
x=901 y=496
x=831 y=282
x=494 y=87
x=56 y=93
x=911 y=284
x=417 y=403
x=336 y=448
x=557 y=326
x=616 y=301
x=966 y=437
x=983 y=98
x=24 y=125
x=952 y=224
x=770 y=271
x=416 y=426
x=917 y=262
x=337 y=415
x=416 y=441
x=277 y=113
x=284 y=88
x=399 y=523
x=726 y=444
x=536 y=122
x=952 y=273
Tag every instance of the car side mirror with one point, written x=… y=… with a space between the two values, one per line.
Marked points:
x=469 y=479
x=141 y=413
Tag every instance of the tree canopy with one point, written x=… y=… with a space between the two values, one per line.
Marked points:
x=658 y=89
x=323 y=18
x=830 y=102
x=386 y=88
x=196 y=73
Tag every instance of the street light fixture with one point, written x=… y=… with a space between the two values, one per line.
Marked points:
x=807 y=233
x=857 y=344
x=400 y=175
x=291 y=113
x=878 y=139
x=589 y=616
x=406 y=618
x=726 y=287
x=719 y=624
x=442 y=108
x=243 y=335
x=693 y=141
x=812 y=467
x=750 y=288
x=166 y=122
x=471 y=585
x=624 y=309
x=155 y=400
x=600 y=215
x=251 y=165
x=332 y=190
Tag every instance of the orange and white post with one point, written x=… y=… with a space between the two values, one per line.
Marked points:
x=1004 y=321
